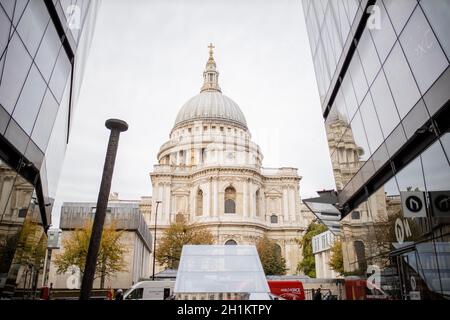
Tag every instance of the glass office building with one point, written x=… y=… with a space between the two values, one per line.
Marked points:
x=383 y=75
x=43 y=48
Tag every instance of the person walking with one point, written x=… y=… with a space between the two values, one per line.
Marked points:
x=109 y=294
x=119 y=295
x=318 y=295
x=50 y=291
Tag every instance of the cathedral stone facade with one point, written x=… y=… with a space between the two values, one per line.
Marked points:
x=210 y=172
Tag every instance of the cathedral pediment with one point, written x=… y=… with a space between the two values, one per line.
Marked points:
x=273 y=193
x=181 y=191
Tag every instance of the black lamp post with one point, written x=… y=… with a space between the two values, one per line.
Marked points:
x=116 y=127
x=154 y=242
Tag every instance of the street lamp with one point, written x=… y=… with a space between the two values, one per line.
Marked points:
x=154 y=242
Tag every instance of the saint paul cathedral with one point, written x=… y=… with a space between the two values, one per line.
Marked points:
x=210 y=172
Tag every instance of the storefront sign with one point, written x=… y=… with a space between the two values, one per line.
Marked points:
x=413 y=204
x=402 y=230
x=440 y=203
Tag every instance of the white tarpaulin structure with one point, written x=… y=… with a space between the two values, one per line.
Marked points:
x=220 y=268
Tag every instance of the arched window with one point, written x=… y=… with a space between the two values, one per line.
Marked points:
x=230 y=200
x=360 y=252
x=231 y=242
x=199 y=203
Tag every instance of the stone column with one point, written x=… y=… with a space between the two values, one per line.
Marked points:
x=292 y=205
x=262 y=205
x=244 y=199
x=160 y=198
x=155 y=198
x=168 y=203
x=285 y=205
x=207 y=199
x=252 y=200
x=216 y=198
x=193 y=203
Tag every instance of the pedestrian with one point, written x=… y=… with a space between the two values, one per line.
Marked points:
x=109 y=294
x=50 y=291
x=119 y=295
x=318 y=295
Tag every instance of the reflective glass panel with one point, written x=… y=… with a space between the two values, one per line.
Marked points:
x=425 y=56
x=360 y=137
x=16 y=68
x=32 y=25
x=384 y=37
x=370 y=121
x=399 y=12
x=401 y=81
x=369 y=56
x=436 y=168
x=438 y=13
x=45 y=121
x=384 y=104
x=30 y=100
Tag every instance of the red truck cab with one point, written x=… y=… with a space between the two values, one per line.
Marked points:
x=289 y=290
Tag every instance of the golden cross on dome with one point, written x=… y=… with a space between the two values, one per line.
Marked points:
x=211 y=47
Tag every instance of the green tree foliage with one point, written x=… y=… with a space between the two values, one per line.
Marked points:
x=308 y=264
x=110 y=258
x=270 y=256
x=180 y=233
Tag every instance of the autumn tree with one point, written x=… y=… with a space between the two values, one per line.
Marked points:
x=26 y=251
x=110 y=258
x=337 y=258
x=308 y=264
x=270 y=256
x=180 y=233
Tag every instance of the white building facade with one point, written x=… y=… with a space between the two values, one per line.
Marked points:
x=210 y=172
x=322 y=244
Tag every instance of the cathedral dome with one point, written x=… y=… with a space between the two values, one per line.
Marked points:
x=211 y=104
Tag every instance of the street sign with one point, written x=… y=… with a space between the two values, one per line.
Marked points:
x=440 y=203
x=413 y=204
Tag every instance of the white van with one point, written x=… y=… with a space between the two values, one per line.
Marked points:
x=150 y=290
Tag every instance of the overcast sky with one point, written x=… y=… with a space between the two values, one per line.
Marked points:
x=146 y=61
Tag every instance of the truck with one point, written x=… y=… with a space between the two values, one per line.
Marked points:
x=288 y=290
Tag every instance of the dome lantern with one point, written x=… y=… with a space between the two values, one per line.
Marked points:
x=210 y=75
x=210 y=103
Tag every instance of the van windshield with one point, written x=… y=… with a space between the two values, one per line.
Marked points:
x=134 y=294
